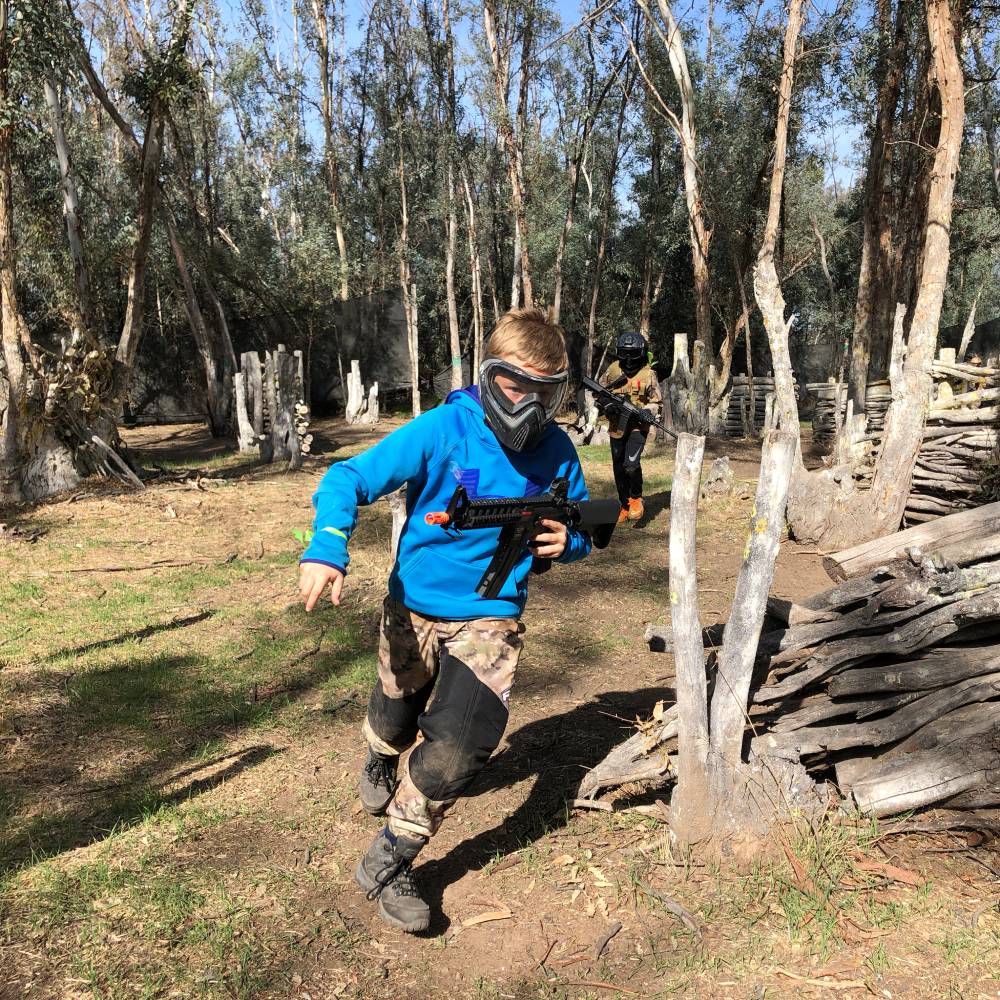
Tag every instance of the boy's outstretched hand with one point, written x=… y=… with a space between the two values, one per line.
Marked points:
x=313 y=580
x=550 y=544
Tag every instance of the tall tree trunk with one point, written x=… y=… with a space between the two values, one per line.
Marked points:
x=602 y=241
x=991 y=113
x=500 y=61
x=767 y=288
x=152 y=147
x=214 y=347
x=15 y=371
x=698 y=231
x=72 y=216
x=876 y=243
x=574 y=188
x=409 y=289
x=476 y=270
x=454 y=335
x=650 y=292
x=908 y=412
x=580 y=141
x=823 y=512
x=331 y=158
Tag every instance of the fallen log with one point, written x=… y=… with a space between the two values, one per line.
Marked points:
x=952 y=727
x=826 y=708
x=878 y=733
x=928 y=537
x=633 y=760
x=933 y=669
x=933 y=627
x=967 y=768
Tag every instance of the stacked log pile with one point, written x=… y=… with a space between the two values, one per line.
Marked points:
x=890 y=679
x=959 y=453
x=831 y=408
x=272 y=415
x=893 y=678
x=747 y=415
x=956 y=467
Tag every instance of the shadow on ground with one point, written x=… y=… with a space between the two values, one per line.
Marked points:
x=107 y=747
x=559 y=750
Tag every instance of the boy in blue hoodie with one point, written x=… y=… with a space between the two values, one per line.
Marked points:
x=499 y=439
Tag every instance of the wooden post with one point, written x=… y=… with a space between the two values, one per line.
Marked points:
x=689 y=655
x=355 y=394
x=371 y=407
x=284 y=437
x=739 y=644
x=397 y=504
x=248 y=441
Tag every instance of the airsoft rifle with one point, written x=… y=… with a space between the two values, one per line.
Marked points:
x=619 y=409
x=518 y=519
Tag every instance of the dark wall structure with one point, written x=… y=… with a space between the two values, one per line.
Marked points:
x=168 y=384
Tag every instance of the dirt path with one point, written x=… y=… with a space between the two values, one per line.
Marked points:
x=179 y=744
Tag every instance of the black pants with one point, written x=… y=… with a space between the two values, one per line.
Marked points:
x=626 y=455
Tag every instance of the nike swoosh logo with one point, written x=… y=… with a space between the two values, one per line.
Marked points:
x=634 y=458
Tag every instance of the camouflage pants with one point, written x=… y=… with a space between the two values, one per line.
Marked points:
x=469 y=668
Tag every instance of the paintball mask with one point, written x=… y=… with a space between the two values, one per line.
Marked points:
x=517 y=404
x=632 y=353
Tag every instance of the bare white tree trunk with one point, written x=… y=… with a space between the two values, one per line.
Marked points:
x=71 y=213
x=699 y=233
x=355 y=403
x=476 y=270
x=500 y=62
x=688 y=813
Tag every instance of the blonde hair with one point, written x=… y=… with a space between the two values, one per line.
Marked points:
x=533 y=337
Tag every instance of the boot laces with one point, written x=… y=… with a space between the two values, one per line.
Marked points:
x=381 y=771
x=399 y=875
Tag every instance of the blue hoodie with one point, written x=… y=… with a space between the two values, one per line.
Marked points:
x=436 y=571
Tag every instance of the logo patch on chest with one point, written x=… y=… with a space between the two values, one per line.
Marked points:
x=469 y=478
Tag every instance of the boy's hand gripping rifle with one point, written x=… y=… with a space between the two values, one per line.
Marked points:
x=620 y=408
x=518 y=518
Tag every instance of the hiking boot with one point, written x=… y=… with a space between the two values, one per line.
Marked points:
x=622 y=515
x=635 y=509
x=378 y=783
x=385 y=874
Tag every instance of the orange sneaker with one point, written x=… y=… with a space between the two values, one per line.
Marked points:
x=635 y=508
x=622 y=515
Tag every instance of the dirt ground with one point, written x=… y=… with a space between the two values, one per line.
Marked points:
x=179 y=745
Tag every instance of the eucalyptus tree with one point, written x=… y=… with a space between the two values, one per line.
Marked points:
x=62 y=402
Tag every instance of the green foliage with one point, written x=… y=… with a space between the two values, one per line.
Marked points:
x=260 y=189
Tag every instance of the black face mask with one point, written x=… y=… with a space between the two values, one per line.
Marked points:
x=631 y=362
x=519 y=425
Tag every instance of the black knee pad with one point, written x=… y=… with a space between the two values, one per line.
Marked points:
x=396 y=720
x=461 y=729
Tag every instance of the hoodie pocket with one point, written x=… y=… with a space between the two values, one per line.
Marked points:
x=460 y=579
x=412 y=562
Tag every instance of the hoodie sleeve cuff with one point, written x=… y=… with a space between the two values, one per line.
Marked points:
x=328 y=547
x=578 y=545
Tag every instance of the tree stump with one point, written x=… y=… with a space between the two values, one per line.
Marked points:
x=360 y=409
x=271 y=412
